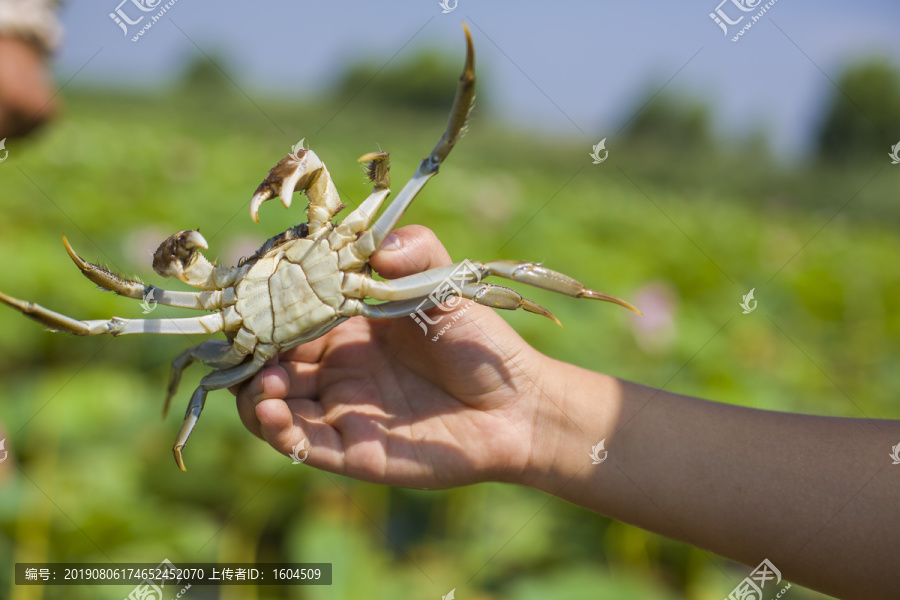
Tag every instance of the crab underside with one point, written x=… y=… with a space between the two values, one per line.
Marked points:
x=305 y=281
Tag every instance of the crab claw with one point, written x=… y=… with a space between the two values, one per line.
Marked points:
x=281 y=181
x=178 y=253
x=378 y=168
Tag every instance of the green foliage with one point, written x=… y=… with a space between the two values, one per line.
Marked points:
x=424 y=82
x=863 y=118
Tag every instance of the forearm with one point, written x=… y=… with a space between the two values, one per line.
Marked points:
x=814 y=495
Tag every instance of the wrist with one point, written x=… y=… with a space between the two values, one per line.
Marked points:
x=575 y=409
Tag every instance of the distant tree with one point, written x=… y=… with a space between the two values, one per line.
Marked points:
x=206 y=74
x=863 y=116
x=676 y=120
x=425 y=82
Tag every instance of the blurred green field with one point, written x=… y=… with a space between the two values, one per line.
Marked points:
x=91 y=477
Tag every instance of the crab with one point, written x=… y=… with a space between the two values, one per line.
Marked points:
x=307 y=280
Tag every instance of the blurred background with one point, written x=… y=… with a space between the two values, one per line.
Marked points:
x=757 y=164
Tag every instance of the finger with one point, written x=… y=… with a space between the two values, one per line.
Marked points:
x=408 y=250
x=276 y=424
x=310 y=352
x=285 y=426
x=235 y=389
x=270 y=383
x=303 y=379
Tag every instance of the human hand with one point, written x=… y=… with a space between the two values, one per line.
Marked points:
x=26 y=90
x=380 y=401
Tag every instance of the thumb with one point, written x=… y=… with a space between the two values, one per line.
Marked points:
x=408 y=250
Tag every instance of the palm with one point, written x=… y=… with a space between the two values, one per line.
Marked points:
x=381 y=401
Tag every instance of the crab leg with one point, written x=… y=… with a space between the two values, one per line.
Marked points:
x=216 y=380
x=378 y=171
x=443 y=279
x=428 y=168
x=488 y=294
x=421 y=284
x=386 y=310
x=130 y=288
x=117 y=325
x=344 y=236
x=544 y=278
x=497 y=296
x=212 y=353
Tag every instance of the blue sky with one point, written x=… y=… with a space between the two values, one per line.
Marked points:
x=574 y=69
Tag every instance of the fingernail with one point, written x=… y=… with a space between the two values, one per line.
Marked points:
x=391 y=243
